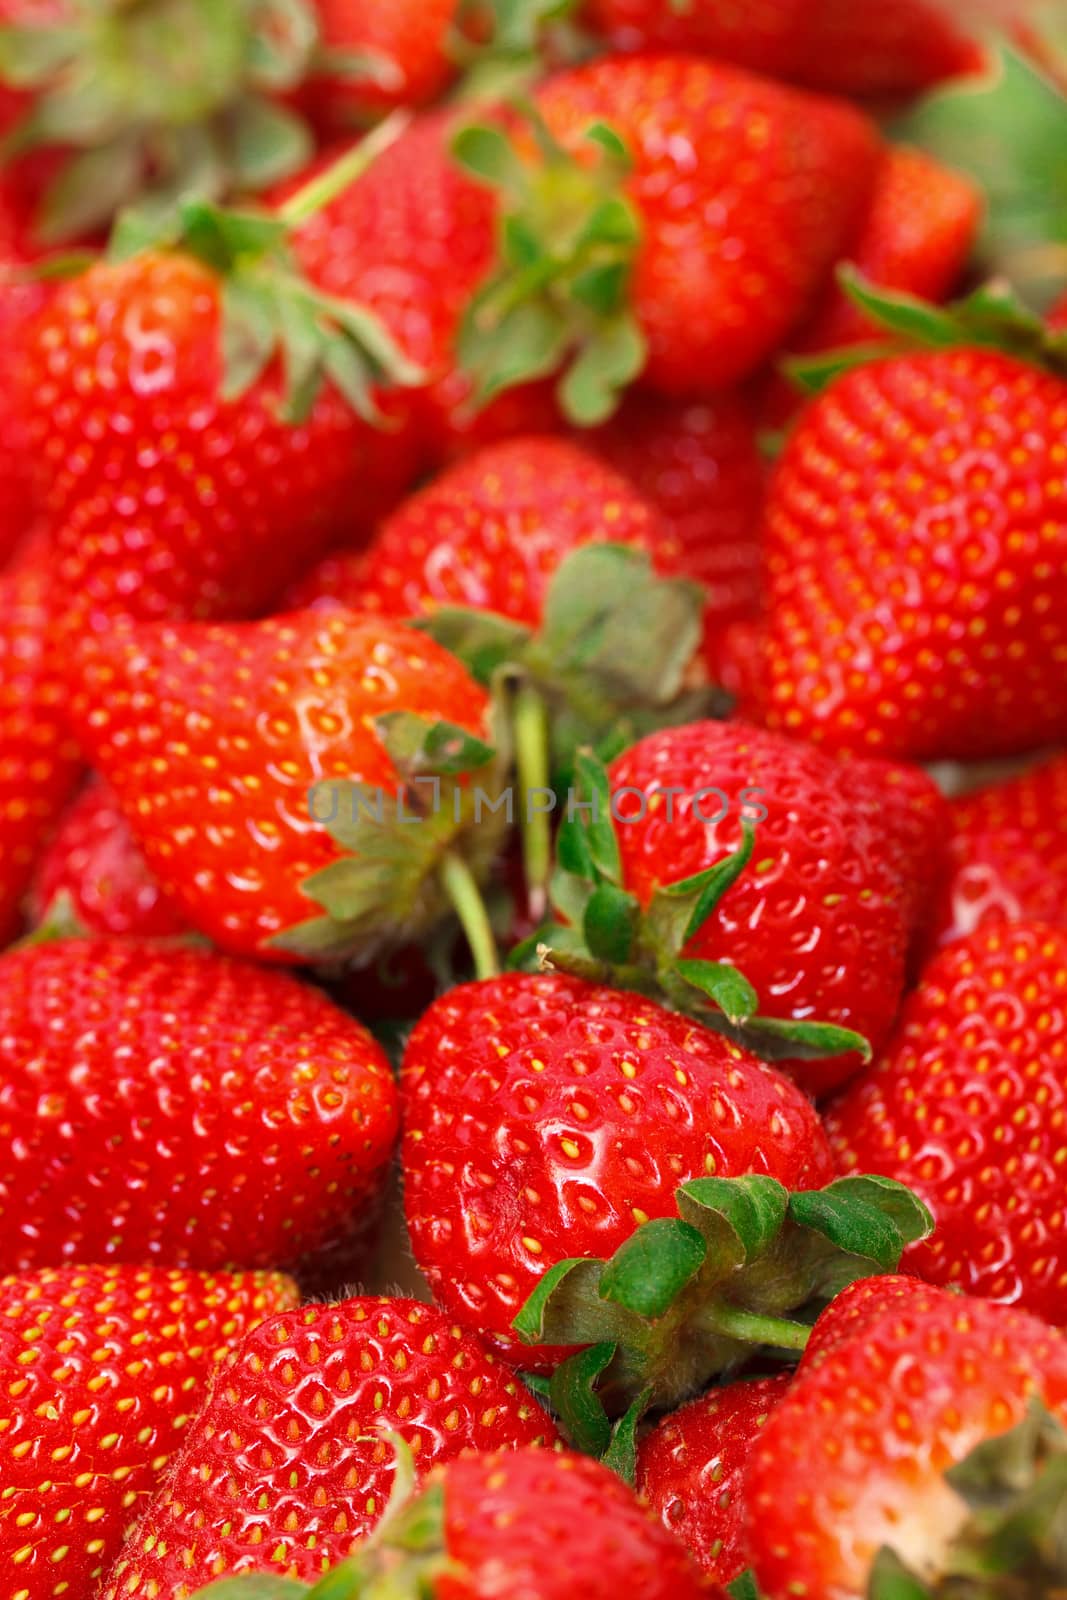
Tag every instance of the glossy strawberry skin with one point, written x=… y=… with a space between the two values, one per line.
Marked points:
x=854 y=1456
x=915 y=560
x=859 y=1304
x=690 y=1469
x=170 y=1105
x=746 y=190
x=287 y=1469
x=93 y=867
x=544 y=1118
x=1007 y=854
x=404 y=40
x=164 y=500
x=102 y=1369
x=212 y=736
x=985 y=1031
x=549 y=1527
x=821 y=920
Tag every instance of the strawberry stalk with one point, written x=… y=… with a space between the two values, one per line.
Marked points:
x=532 y=737
x=321 y=190
x=460 y=888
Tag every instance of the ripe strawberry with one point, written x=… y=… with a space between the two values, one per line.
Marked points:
x=102 y=1369
x=694 y=259
x=235 y=750
x=1007 y=854
x=931 y=1113
x=384 y=54
x=690 y=1469
x=40 y=765
x=93 y=874
x=849 y=1474
x=860 y=1303
x=168 y=1104
x=19 y=302
x=288 y=1467
x=827 y=44
x=545 y=1122
x=916 y=561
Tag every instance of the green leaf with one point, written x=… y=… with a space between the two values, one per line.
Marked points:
x=902 y=314
x=780 y=1039
x=610 y=922
x=268 y=143
x=593 y=788
x=744 y=1587
x=870 y=1217
x=679 y=910
x=564 y=1307
x=723 y=985
x=754 y=1208
x=249 y=333
x=418 y=746
x=891 y=1580
x=487 y=153
x=483 y=641
x=608 y=363
x=90 y=187
x=649 y=1271
x=814 y=373
x=579 y=1407
x=621 y=1455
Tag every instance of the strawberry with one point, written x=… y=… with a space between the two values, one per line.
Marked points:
x=861 y=1302
x=828 y=44
x=1007 y=853
x=690 y=1469
x=527 y=1523
x=909 y=1459
x=916 y=561
x=40 y=762
x=546 y=1121
x=721 y=864
x=168 y=1104
x=384 y=54
x=1057 y=317
x=102 y=1370
x=19 y=301
x=289 y=1468
x=693 y=258
x=235 y=750
x=94 y=876
x=985 y=1029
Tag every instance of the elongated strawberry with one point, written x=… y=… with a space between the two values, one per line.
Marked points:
x=923 y=1456
x=296 y=784
x=549 y=1124
x=170 y=1105
x=289 y=1466
x=692 y=258
x=1007 y=854
x=690 y=1469
x=931 y=1113
x=102 y=1371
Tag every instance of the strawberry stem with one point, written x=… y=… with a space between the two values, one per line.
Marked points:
x=531 y=723
x=463 y=894
x=751 y=1327
x=319 y=191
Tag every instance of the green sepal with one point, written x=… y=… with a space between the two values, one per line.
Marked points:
x=621 y=1455
x=573 y=1395
x=254 y=1586
x=678 y=911
x=648 y=1273
x=744 y=1587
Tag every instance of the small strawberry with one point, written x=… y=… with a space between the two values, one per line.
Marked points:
x=296 y=784
x=167 y=1104
x=289 y=1466
x=985 y=1030
x=1007 y=854
x=917 y=1458
x=93 y=875
x=916 y=561
x=102 y=1370
x=530 y=1524
x=690 y=1469
x=546 y=1122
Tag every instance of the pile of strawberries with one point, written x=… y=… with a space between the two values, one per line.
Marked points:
x=533 y=799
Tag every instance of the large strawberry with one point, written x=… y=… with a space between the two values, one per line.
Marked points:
x=733 y=871
x=102 y=1369
x=691 y=1466
x=175 y=1106
x=966 y=1104
x=549 y=1124
x=916 y=561
x=289 y=1466
x=295 y=784
x=923 y=1456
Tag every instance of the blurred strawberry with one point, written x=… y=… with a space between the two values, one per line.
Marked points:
x=375 y=55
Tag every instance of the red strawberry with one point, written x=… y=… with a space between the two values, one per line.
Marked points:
x=167 y=1104
x=863 y=1301
x=1007 y=854
x=214 y=739
x=19 y=302
x=94 y=873
x=849 y=1472
x=546 y=1120
x=288 y=1467
x=102 y=1369
x=39 y=767
x=1057 y=317
x=388 y=52
x=916 y=561
x=985 y=1030
x=829 y=44
x=690 y=1469
x=712 y=209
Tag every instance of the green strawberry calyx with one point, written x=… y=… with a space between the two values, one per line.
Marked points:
x=503 y=46
x=414 y=854
x=604 y=935
x=559 y=301
x=1012 y=1544
x=745 y=1266
x=158 y=99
